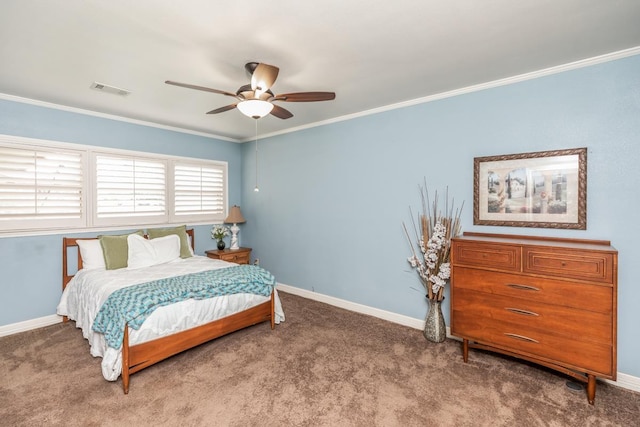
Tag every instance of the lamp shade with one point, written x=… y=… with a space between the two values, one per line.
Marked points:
x=235 y=216
x=255 y=108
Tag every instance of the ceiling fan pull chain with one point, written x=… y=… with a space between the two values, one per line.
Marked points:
x=256 y=189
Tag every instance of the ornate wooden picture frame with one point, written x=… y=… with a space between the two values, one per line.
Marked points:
x=546 y=189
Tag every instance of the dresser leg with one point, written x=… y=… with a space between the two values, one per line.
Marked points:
x=591 y=389
x=465 y=350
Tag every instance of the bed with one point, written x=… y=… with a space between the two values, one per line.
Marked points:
x=168 y=329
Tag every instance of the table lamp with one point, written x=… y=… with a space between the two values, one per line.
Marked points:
x=235 y=217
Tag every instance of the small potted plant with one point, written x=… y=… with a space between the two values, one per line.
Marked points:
x=219 y=232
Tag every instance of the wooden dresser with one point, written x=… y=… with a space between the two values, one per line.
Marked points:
x=551 y=301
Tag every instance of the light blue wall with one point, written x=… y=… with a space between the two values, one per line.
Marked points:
x=332 y=199
x=31 y=267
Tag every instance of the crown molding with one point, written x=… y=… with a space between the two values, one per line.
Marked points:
x=45 y=104
x=469 y=89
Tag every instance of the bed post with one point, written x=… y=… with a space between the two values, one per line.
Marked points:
x=273 y=308
x=125 y=360
x=65 y=279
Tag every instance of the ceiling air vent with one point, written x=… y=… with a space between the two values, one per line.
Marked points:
x=109 y=89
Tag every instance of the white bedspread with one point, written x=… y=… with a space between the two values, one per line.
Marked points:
x=89 y=289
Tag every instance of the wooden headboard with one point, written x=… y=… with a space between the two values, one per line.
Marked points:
x=70 y=242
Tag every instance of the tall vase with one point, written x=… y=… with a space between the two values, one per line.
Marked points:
x=435 y=329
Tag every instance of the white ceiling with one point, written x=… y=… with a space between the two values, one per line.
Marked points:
x=373 y=54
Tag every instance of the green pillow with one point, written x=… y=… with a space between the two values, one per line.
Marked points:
x=115 y=250
x=180 y=231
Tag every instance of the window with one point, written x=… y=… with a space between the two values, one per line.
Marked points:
x=47 y=186
x=199 y=190
x=40 y=187
x=129 y=187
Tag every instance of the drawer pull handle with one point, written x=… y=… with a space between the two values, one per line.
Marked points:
x=523 y=287
x=521 y=337
x=520 y=311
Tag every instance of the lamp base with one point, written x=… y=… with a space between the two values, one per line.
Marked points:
x=234 y=237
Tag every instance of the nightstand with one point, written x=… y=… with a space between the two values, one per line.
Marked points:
x=239 y=256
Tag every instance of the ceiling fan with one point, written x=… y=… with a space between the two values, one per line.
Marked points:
x=256 y=99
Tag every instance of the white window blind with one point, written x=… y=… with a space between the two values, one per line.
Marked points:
x=40 y=188
x=129 y=187
x=200 y=190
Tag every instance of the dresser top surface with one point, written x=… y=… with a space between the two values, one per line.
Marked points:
x=583 y=244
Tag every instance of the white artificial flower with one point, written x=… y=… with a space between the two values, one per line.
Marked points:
x=219 y=231
x=429 y=270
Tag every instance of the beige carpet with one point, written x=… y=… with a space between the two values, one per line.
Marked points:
x=322 y=367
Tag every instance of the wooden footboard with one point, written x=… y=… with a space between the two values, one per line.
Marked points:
x=137 y=357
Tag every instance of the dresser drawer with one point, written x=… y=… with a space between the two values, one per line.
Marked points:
x=530 y=315
x=238 y=258
x=594 y=267
x=503 y=257
x=582 y=296
x=571 y=352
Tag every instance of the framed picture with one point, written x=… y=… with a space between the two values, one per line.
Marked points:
x=543 y=189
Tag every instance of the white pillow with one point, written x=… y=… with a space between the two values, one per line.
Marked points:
x=145 y=253
x=91 y=252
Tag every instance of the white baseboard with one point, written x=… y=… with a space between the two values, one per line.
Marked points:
x=27 y=325
x=352 y=306
x=625 y=381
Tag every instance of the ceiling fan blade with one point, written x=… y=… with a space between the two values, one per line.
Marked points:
x=223 y=109
x=206 y=89
x=263 y=77
x=305 y=96
x=280 y=112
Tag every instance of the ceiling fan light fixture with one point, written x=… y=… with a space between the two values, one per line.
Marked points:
x=255 y=108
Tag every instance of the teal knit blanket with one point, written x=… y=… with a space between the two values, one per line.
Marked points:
x=133 y=304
